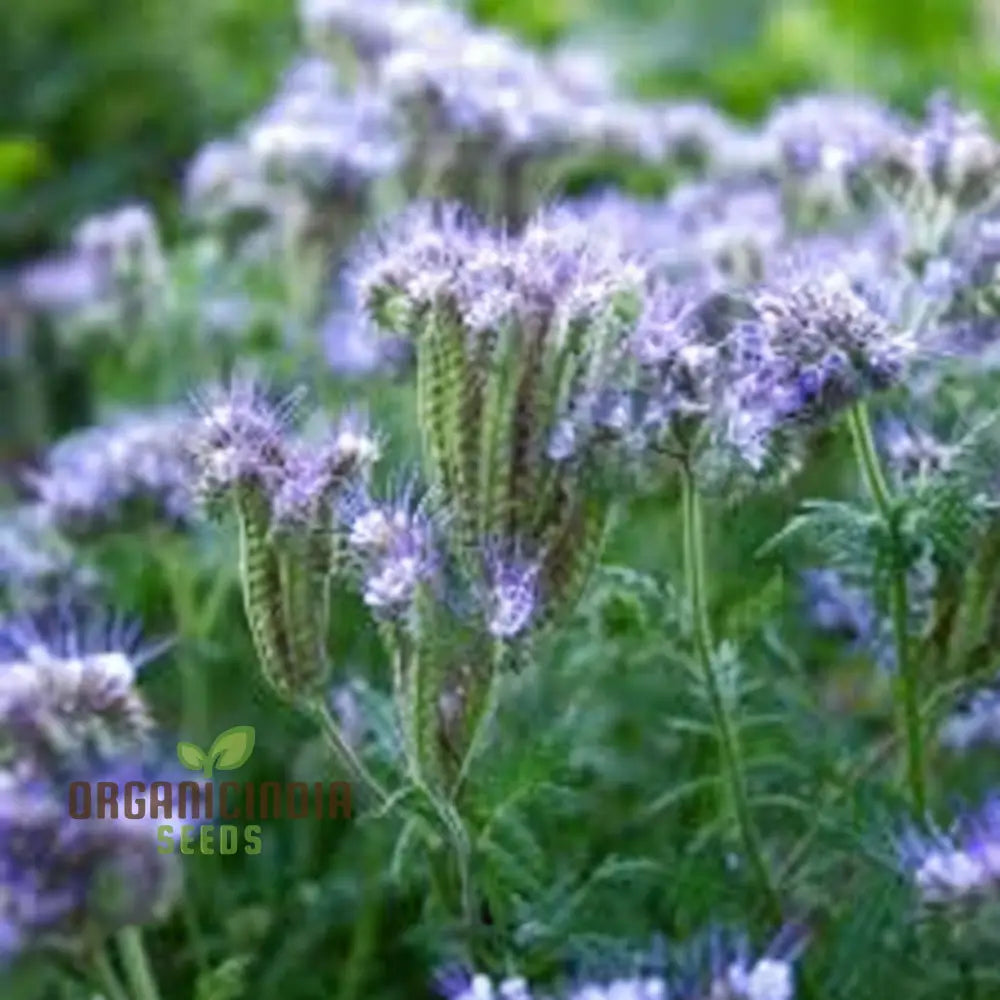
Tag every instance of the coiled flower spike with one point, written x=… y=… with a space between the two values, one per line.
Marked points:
x=284 y=491
x=511 y=333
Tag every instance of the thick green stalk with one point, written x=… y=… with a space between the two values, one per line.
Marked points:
x=906 y=682
x=725 y=726
x=135 y=961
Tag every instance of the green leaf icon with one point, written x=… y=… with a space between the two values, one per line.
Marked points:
x=191 y=756
x=232 y=748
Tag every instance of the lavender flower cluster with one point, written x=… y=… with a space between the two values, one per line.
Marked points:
x=313 y=139
x=66 y=709
x=514 y=336
x=130 y=471
x=285 y=491
x=748 y=364
x=70 y=711
x=481 y=93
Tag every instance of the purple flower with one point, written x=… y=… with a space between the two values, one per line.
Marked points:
x=67 y=690
x=956 y=865
x=392 y=582
x=239 y=440
x=713 y=966
x=667 y=323
x=394 y=544
x=974 y=722
x=830 y=345
x=315 y=470
x=63 y=880
x=956 y=152
x=375 y=31
x=913 y=453
x=695 y=134
x=837 y=133
x=511 y=598
x=331 y=144
x=835 y=607
x=133 y=469
x=224 y=183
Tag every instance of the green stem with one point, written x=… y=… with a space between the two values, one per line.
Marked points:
x=725 y=726
x=135 y=961
x=906 y=681
x=345 y=753
x=107 y=977
x=194 y=684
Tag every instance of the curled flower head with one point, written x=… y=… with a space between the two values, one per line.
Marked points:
x=316 y=471
x=514 y=335
x=682 y=368
x=238 y=442
x=829 y=346
x=285 y=490
x=401 y=272
x=394 y=545
x=133 y=469
x=67 y=691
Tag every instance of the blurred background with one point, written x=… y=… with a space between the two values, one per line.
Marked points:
x=106 y=102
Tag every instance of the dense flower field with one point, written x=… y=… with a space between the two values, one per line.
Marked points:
x=635 y=559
